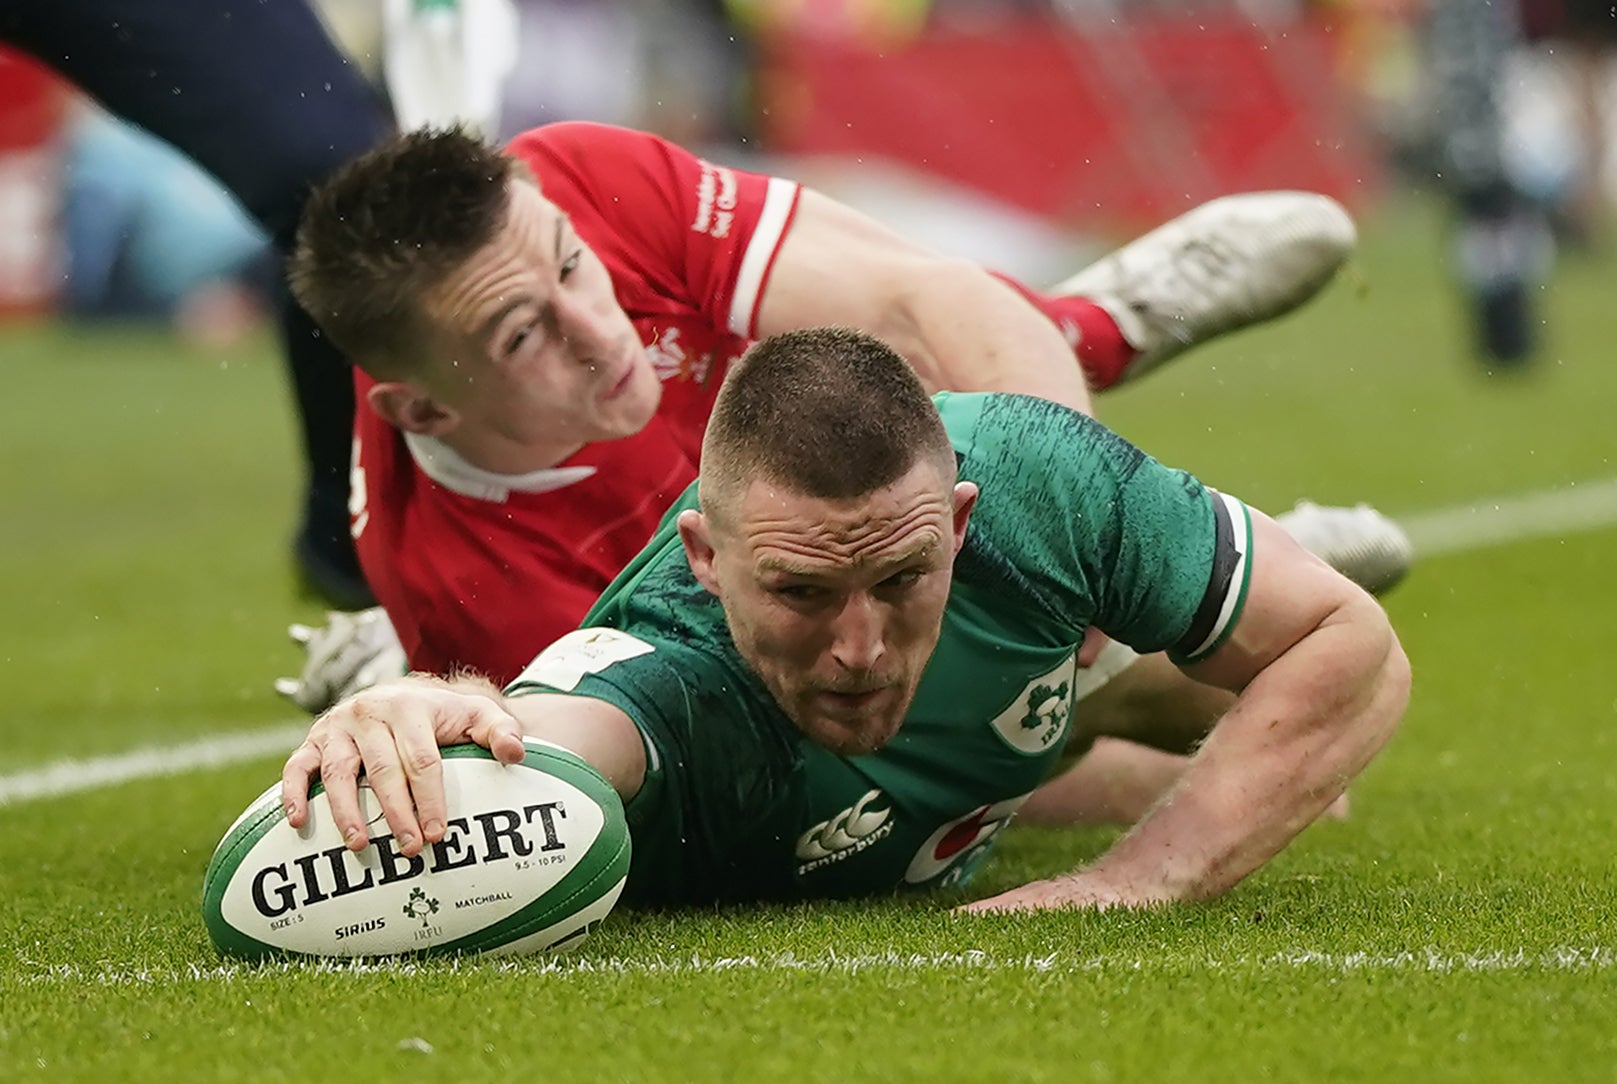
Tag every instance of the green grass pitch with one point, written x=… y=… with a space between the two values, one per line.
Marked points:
x=1459 y=926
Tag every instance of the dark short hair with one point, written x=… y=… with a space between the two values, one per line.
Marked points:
x=388 y=228
x=830 y=413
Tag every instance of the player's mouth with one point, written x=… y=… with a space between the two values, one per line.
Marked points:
x=620 y=385
x=617 y=377
x=852 y=703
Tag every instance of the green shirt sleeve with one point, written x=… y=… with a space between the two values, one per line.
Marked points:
x=1081 y=526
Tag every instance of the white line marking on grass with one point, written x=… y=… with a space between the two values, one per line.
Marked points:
x=70 y=776
x=1426 y=961
x=1498 y=521
x=1577 y=506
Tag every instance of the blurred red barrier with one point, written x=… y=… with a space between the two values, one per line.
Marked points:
x=31 y=105
x=1118 y=122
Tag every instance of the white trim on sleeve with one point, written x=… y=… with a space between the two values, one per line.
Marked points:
x=766 y=238
x=1235 y=593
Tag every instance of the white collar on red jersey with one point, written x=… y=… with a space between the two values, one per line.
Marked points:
x=445 y=466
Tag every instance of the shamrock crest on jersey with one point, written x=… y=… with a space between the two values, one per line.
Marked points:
x=1037 y=719
x=1046 y=707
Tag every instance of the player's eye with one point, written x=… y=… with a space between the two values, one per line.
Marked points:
x=570 y=264
x=904 y=577
x=799 y=592
x=517 y=339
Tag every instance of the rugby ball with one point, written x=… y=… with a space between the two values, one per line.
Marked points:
x=534 y=856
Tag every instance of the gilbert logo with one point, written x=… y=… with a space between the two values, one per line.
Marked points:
x=845 y=834
x=523 y=836
x=1036 y=721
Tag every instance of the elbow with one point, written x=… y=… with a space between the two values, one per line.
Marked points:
x=1397 y=679
x=1387 y=683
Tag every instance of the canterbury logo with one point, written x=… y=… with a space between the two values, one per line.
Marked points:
x=854 y=825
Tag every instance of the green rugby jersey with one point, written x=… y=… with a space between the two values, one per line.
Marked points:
x=1074 y=527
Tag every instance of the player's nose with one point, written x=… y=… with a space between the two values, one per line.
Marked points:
x=588 y=327
x=858 y=635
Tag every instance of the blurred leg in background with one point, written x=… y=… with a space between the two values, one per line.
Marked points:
x=258 y=95
x=1502 y=246
x=150 y=236
x=1582 y=36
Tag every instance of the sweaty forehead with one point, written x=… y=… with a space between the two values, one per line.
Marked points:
x=789 y=531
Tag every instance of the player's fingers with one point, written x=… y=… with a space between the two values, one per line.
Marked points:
x=423 y=771
x=301 y=768
x=506 y=744
x=300 y=634
x=379 y=747
x=1058 y=892
x=339 y=771
x=992 y=905
x=1029 y=897
x=498 y=731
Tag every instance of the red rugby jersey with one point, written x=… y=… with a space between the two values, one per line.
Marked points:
x=482 y=570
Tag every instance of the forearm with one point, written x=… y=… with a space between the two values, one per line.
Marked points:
x=964 y=330
x=1115 y=782
x=1287 y=749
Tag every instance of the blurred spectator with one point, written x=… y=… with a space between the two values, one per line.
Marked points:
x=580 y=60
x=447 y=61
x=698 y=73
x=256 y=93
x=1584 y=34
x=149 y=234
x=678 y=68
x=1502 y=246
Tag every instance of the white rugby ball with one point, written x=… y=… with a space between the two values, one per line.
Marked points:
x=534 y=856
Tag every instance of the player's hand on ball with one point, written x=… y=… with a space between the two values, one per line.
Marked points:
x=391 y=734
x=349 y=653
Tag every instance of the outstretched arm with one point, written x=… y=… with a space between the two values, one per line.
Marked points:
x=1322 y=684
x=960 y=327
x=392 y=734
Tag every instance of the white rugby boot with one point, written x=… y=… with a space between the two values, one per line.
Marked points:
x=1359 y=542
x=1233 y=261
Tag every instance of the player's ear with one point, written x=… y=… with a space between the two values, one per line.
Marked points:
x=405 y=406
x=965 y=499
x=696 y=533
